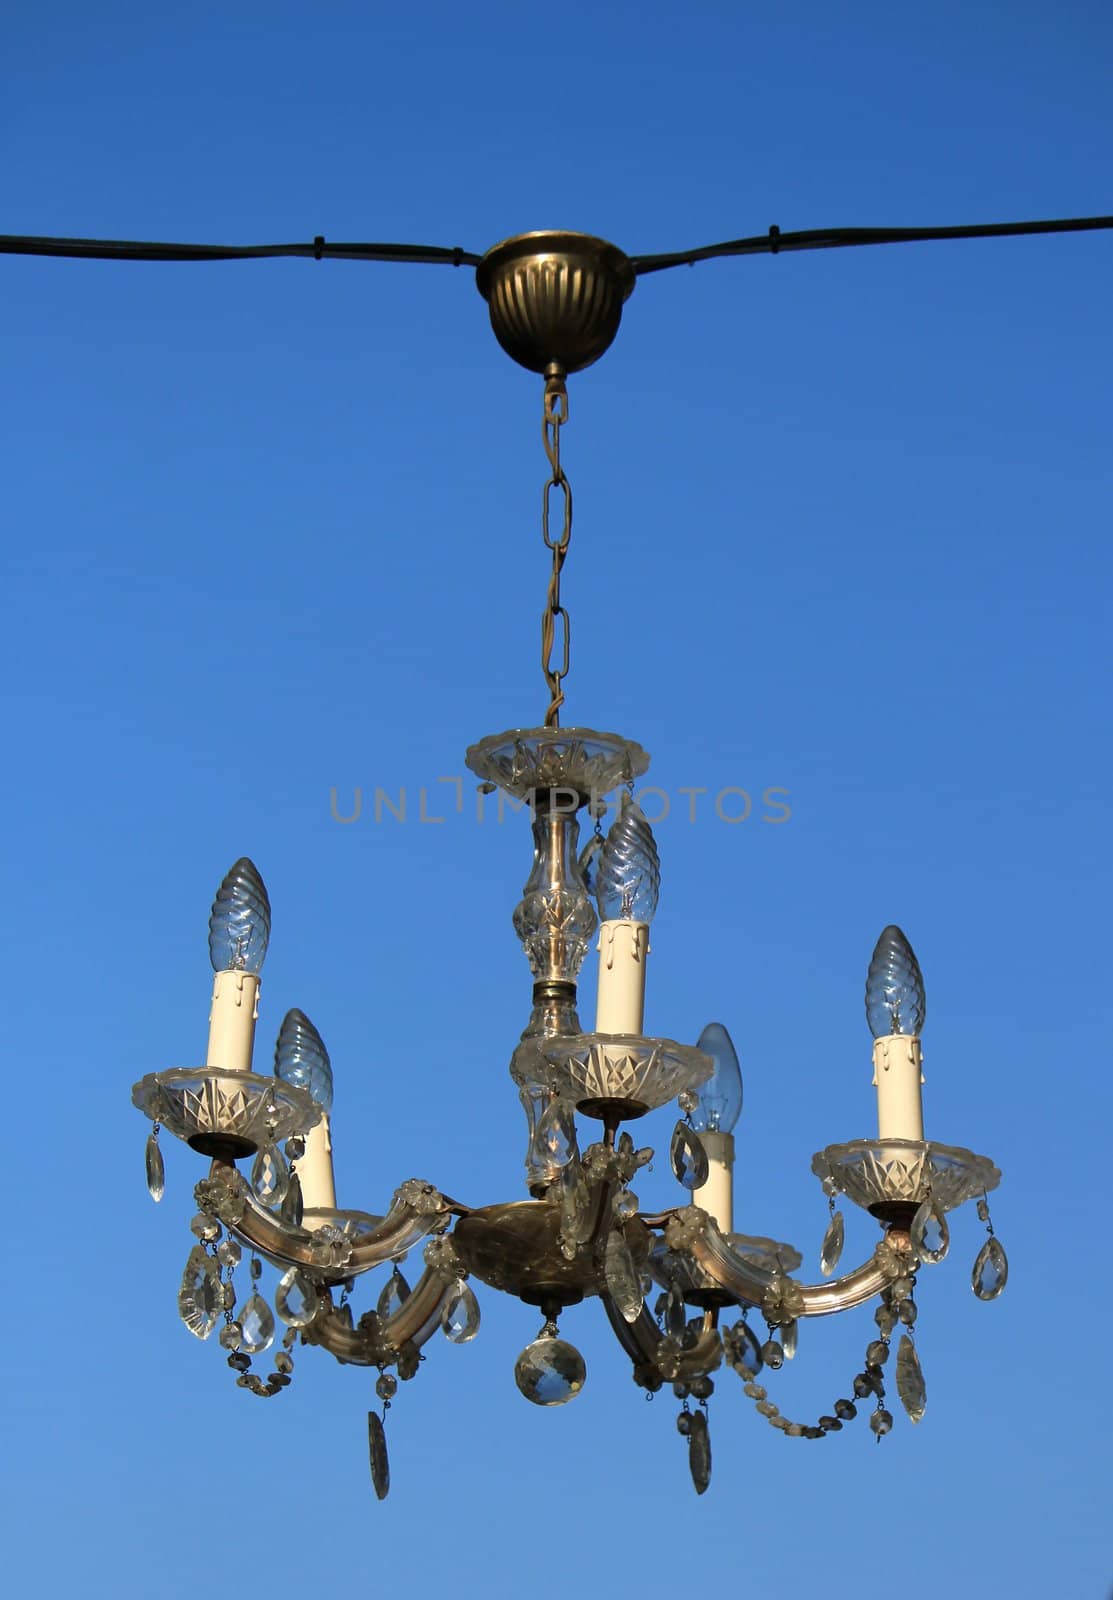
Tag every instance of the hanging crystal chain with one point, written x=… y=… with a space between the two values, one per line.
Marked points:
x=555 y=416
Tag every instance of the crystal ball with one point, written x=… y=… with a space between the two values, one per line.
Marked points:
x=550 y=1371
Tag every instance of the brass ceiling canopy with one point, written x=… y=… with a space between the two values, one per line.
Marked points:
x=555 y=298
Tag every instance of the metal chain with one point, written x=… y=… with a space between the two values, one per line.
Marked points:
x=555 y=416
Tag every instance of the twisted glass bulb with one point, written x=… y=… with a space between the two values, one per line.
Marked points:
x=629 y=877
x=719 y=1099
x=240 y=920
x=300 y=1058
x=895 y=1001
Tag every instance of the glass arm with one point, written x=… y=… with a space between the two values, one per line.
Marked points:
x=642 y=1340
x=781 y=1298
x=416 y=1211
x=639 y=1339
x=373 y=1342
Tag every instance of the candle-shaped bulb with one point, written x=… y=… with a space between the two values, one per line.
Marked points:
x=895 y=1000
x=240 y=920
x=720 y=1096
x=300 y=1058
x=629 y=877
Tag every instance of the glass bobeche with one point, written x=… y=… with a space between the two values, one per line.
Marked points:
x=524 y=761
x=225 y=1114
x=594 y=1070
x=872 y=1172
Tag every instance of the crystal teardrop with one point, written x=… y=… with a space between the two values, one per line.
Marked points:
x=156 y=1172
x=555 y=1137
x=676 y=1315
x=270 y=1177
x=292 y=1205
x=296 y=1300
x=589 y=863
x=830 y=1251
x=789 y=1335
x=688 y=1157
x=745 y=1348
x=550 y=1371
x=910 y=1379
x=575 y=1206
x=931 y=1237
x=623 y=1283
x=395 y=1293
x=256 y=1325
x=699 y=1451
x=991 y=1270
x=380 y=1461
x=201 y=1296
x=460 y=1316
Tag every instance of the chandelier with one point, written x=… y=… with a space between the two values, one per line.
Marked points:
x=686 y=1293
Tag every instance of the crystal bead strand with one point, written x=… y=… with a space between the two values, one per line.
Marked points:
x=232 y=1335
x=740 y=1338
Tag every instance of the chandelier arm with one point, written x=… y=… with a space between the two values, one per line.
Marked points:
x=639 y=1338
x=773 y=242
x=416 y=1211
x=318 y=250
x=642 y=1339
x=780 y=1297
x=375 y=1343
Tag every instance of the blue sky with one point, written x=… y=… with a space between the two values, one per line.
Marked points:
x=842 y=528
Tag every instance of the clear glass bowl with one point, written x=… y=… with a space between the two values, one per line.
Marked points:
x=226 y=1115
x=524 y=760
x=619 y=1074
x=883 y=1172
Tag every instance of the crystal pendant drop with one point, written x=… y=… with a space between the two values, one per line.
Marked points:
x=789 y=1335
x=699 y=1451
x=623 y=1283
x=688 y=1157
x=931 y=1236
x=270 y=1177
x=991 y=1270
x=256 y=1325
x=395 y=1293
x=460 y=1317
x=201 y=1296
x=830 y=1252
x=676 y=1315
x=555 y=1138
x=589 y=863
x=296 y=1301
x=910 y=1379
x=229 y=1253
x=550 y=1371
x=380 y=1461
x=575 y=1209
x=292 y=1204
x=745 y=1348
x=156 y=1172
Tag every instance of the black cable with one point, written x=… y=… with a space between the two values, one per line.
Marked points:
x=772 y=243
x=775 y=242
x=137 y=250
